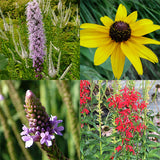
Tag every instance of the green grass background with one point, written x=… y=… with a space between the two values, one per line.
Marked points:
x=66 y=39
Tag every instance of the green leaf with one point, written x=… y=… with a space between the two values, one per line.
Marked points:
x=91 y=134
x=89 y=73
x=3 y=62
x=150 y=122
x=90 y=122
x=154 y=153
x=153 y=144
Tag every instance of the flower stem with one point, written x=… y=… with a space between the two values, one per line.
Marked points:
x=16 y=100
x=53 y=152
x=99 y=108
x=146 y=88
x=7 y=135
x=66 y=96
x=15 y=130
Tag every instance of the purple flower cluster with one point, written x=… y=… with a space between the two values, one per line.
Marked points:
x=36 y=36
x=42 y=127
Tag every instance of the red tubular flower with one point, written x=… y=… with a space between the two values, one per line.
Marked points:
x=84 y=94
x=128 y=134
x=142 y=105
x=127 y=139
x=117 y=120
x=130 y=148
x=85 y=110
x=129 y=107
x=118 y=148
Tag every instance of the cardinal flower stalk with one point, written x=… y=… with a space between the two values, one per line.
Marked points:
x=119 y=39
x=128 y=106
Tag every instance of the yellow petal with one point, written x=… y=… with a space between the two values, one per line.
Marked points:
x=102 y=53
x=90 y=34
x=141 y=23
x=142 y=51
x=132 y=56
x=145 y=40
x=145 y=30
x=94 y=43
x=121 y=13
x=143 y=27
x=117 y=61
x=106 y=21
x=131 y=18
x=94 y=27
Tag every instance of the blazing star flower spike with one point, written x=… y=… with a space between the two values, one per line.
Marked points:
x=36 y=36
x=42 y=128
x=119 y=39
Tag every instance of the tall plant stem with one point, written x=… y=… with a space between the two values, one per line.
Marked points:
x=53 y=152
x=15 y=130
x=66 y=96
x=7 y=135
x=115 y=91
x=146 y=88
x=16 y=100
x=100 y=112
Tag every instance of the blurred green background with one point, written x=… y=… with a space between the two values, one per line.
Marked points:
x=13 y=110
x=91 y=11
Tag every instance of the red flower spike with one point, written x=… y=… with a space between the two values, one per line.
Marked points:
x=84 y=95
x=118 y=148
x=129 y=105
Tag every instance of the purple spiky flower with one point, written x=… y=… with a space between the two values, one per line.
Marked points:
x=42 y=127
x=36 y=36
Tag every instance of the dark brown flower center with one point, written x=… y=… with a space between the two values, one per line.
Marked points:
x=120 y=31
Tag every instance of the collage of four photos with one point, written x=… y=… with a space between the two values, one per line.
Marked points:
x=79 y=80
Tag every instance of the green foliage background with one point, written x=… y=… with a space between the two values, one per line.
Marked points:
x=99 y=138
x=50 y=98
x=64 y=38
x=91 y=11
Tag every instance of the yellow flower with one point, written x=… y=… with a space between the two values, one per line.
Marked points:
x=120 y=38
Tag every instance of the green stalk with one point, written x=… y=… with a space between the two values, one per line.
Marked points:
x=74 y=124
x=16 y=100
x=100 y=112
x=91 y=91
x=7 y=135
x=115 y=90
x=131 y=84
x=146 y=88
x=53 y=152
x=15 y=130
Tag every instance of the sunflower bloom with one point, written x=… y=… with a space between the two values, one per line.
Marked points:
x=120 y=38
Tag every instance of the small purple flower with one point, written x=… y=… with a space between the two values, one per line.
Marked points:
x=28 y=139
x=54 y=122
x=42 y=127
x=36 y=36
x=46 y=138
x=25 y=130
x=1 y=97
